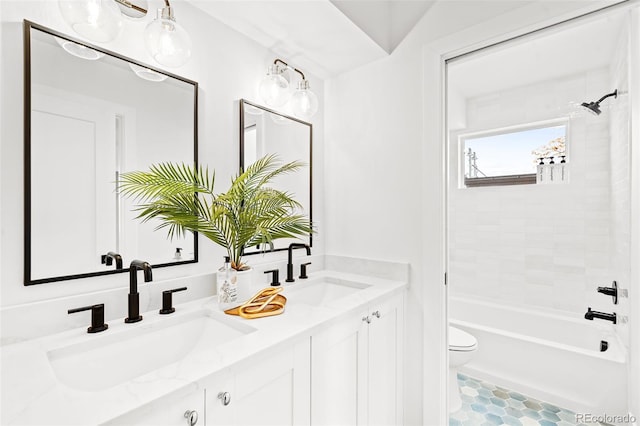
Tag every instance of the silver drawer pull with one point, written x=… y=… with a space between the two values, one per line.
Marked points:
x=225 y=398
x=191 y=416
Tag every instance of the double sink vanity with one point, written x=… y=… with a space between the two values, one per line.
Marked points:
x=334 y=356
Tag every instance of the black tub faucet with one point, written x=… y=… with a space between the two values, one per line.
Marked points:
x=293 y=246
x=134 y=296
x=590 y=315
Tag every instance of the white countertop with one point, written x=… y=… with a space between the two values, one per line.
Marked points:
x=32 y=394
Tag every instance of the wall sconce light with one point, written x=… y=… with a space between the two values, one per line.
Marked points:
x=167 y=42
x=275 y=91
x=304 y=102
x=274 y=88
x=101 y=21
x=96 y=20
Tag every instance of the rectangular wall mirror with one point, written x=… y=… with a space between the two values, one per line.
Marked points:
x=90 y=115
x=262 y=132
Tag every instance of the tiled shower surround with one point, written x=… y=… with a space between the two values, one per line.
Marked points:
x=538 y=245
x=484 y=404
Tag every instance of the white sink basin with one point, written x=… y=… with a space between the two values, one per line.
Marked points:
x=322 y=291
x=113 y=357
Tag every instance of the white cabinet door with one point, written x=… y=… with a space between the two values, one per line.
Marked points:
x=356 y=368
x=219 y=392
x=168 y=411
x=385 y=363
x=273 y=391
x=338 y=371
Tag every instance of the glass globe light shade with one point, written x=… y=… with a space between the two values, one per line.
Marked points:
x=304 y=102
x=167 y=42
x=146 y=73
x=274 y=88
x=96 y=20
x=79 y=50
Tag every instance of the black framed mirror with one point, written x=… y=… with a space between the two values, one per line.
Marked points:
x=264 y=131
x=89 y=115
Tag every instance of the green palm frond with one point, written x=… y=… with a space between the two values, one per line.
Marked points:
x=182 y=198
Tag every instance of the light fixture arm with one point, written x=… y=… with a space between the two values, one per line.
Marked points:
x=275 y=62
x=130 y=5
x=614 y=94
x=167 y=11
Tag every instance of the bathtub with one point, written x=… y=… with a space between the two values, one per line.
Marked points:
x=545 y=355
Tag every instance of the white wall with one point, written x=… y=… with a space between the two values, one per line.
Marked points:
x=385 y=174
x=228 y=66
x=375 y=181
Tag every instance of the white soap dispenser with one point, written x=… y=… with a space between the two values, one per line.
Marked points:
x=540 y=171
x=178 y=254
x=562 y=169
x=227 y=289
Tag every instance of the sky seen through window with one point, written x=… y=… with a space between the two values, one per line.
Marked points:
x=509 y=153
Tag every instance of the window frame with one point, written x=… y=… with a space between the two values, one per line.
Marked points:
x=505 y=180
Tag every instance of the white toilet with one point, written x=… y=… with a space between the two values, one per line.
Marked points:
x=462 y=348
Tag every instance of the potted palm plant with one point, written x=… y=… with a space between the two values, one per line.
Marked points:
x=182 y=198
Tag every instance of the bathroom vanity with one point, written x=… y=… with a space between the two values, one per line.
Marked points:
x=333 y=357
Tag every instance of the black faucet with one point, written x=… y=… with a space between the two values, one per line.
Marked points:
x=107 y=259
x=590 y=315
x=134 y=297
x=293 y=246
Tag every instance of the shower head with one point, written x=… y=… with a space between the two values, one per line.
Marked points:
x=594 y=107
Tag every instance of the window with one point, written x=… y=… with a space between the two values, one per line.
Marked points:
x=510 y=156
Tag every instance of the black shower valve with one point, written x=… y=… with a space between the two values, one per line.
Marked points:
x=610 y=291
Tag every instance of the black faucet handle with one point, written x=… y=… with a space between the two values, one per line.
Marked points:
x=303 y=270
x=610 y=291
x=97 y=317
x=167 y=300
x=275 y=277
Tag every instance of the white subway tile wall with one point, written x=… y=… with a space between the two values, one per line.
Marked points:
x=620 y=185
x=547 y=246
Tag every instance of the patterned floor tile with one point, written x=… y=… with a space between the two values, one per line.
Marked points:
x=548 y=415
x=485 y=404
x=528 y=421
x=532 y=405
x=511 y=421
x=501 y=394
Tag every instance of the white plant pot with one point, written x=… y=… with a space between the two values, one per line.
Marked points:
x=245 y=288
